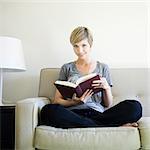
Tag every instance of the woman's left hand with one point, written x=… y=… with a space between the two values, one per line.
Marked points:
x=102 y=83
x=107 y=95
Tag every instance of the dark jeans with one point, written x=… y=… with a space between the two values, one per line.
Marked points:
x=55 y=115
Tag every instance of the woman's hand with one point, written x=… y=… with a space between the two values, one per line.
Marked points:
x=102 y=83
x=86 y=95
x=74 y=101
x=107 y=95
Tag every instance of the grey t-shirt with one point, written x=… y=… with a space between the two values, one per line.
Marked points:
x=69 y=72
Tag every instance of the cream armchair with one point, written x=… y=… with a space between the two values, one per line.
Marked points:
x=128 y=84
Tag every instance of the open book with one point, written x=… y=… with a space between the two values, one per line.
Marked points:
x=67 y=89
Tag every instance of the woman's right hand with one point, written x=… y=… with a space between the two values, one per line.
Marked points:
x=86 y=95
x=72 y=102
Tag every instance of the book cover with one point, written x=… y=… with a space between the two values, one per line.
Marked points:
x=67 y=89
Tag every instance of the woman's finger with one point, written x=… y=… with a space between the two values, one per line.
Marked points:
x=84 y=94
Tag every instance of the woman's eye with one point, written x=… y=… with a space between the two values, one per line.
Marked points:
x=84 y=45
x=75 y=46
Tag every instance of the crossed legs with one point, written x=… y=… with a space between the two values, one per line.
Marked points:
x=124 y=113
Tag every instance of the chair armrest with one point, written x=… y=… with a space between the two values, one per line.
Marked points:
x=26 y=121
x=144 y=128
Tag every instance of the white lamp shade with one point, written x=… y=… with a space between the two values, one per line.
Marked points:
x=11 y=54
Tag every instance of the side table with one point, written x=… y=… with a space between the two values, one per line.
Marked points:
x=7 y=127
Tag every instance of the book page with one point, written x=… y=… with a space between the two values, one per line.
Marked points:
x=86 y=77
x=66 y=83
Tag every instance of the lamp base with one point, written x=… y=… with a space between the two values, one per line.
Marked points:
x=1 y=102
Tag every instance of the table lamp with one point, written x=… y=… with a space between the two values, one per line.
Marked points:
x=11 y=58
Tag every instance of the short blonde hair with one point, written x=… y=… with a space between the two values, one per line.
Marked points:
x=79 y=34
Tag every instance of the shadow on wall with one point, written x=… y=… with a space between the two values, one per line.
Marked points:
x=18 y=86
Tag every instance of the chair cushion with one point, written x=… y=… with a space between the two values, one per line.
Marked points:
x=114 y=138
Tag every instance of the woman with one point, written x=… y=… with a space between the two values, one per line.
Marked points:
x=89 y=110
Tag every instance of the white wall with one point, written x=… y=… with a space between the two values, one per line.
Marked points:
x=148 y=34
x=0 y=18
x=119 y=29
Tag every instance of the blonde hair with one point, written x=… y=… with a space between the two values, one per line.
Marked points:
x=79 y=34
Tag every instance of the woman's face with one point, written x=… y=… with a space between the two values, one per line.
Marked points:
x=82 y=49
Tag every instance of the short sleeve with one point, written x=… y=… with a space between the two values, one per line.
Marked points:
x=107 y=75
x=63 y=73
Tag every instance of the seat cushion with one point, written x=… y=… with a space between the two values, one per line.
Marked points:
x=108 y=138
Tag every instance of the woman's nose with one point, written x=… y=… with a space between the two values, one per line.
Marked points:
x=80 y=49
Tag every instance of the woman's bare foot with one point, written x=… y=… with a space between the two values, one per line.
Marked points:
x=134 y=124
